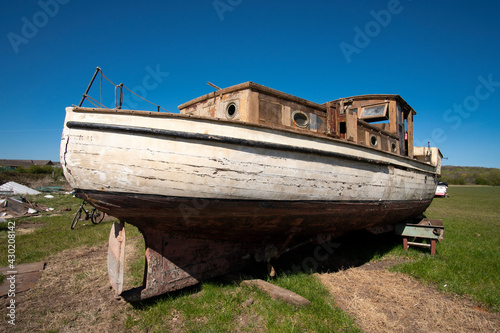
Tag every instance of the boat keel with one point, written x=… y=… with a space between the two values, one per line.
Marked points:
x=174 y=263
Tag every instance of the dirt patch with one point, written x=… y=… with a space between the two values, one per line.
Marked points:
x=28 y=228
x=383 y=301
x=72 y=295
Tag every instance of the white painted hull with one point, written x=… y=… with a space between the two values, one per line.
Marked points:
x=139 y=152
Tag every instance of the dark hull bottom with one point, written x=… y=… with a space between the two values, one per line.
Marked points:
x=189 y=240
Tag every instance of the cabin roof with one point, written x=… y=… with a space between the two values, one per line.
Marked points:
x=255 y=87
x=398 y=98
x=273 y=92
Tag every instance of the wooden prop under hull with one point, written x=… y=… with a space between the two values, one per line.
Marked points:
x=116 y=256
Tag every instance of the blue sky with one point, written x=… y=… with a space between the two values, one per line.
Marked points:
x=442 y=57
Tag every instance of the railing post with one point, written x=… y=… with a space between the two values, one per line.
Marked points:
x=120 y=102
x=97 y=70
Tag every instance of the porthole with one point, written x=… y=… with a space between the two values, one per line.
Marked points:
x=300 y=119
x=374 y=141
x=231 y=110
x=393 y=147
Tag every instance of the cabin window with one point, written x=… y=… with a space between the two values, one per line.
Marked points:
x=393 y=147
x=375 y=113
x=300 y=119
x=231 y=110
x=373 y=141
x=343 y=127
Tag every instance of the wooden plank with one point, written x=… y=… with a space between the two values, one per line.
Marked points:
x=276 y=292
x=352 y=126
x=410 y=134
x=26 y=277
x=24 y=268
x=420 y=244
x=393 y=117
x=116 y=257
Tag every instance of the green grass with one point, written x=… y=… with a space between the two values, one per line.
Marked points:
x=226 y=308
x=467 y=261
x=53 y=234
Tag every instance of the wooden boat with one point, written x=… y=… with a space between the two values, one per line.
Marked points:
x=243 y=174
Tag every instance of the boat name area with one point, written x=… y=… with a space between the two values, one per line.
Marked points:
x=88 y=138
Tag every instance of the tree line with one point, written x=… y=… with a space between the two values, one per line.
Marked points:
x=457 y=175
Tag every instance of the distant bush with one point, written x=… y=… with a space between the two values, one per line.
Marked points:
x=55 y=172
x=470 y=175
x=34 y=176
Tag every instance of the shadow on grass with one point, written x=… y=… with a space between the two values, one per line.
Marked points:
x=351 y=250
x=150 y=302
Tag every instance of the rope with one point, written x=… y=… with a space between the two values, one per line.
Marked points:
x=101 y=88
x=107 y=79
x=159 y=107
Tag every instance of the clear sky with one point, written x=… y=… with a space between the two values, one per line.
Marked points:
x=442 y=57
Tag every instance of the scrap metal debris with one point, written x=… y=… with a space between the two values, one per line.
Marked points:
x=16 y=207
x=13 y=188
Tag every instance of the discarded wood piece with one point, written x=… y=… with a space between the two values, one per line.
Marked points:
x=24 y=276
x=19 y=207
x=276 y=292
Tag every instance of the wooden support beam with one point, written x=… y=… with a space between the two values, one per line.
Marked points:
x=276 y=292
x=332 y=119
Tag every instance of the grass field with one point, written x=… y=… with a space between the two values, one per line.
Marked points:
x=466 y=263
x=468 y=260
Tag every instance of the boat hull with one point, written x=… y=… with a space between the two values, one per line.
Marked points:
x=191 y=158
x=253 y=222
